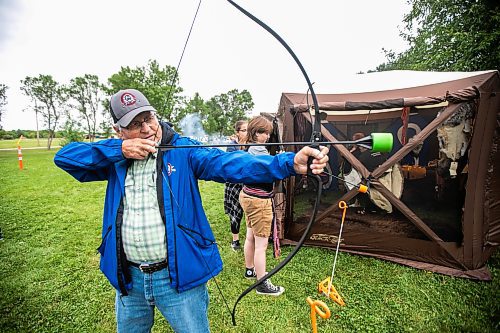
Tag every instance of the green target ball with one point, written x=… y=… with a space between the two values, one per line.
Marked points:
x=381 y=142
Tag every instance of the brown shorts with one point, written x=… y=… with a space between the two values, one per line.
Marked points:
x=259 y=214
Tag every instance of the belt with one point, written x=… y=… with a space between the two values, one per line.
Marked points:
x=150 y=268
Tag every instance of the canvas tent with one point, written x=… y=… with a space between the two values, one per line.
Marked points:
x=440 y=207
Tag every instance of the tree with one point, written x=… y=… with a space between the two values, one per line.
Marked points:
x=3 y=100
x=28 y=87
x=157 y=84
x=223 y=110
x=71 y=133
x=86 y=92
x=195 y=105
x=49 y=98
x=105 y=128
x=449 y=35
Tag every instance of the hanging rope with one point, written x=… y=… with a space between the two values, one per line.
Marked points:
x=342 y=205
x=326 y=286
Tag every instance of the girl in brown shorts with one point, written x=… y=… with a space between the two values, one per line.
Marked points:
x=256 y=201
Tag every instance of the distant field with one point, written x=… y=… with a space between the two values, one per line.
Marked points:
x=32 y=143
x=28 y=143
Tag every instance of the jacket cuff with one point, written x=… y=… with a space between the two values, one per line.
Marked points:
x=289 y=163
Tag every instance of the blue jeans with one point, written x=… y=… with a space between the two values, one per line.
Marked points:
x=186 y=312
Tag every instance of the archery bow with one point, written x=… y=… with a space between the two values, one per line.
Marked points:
x=315 y=139
x=368 y=142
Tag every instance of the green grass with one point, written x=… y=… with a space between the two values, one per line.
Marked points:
x=50 y=280
x=28 y=143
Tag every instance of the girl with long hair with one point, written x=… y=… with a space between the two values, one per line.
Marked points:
x=256 y=200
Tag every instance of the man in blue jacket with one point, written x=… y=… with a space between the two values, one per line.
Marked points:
x=158 y=249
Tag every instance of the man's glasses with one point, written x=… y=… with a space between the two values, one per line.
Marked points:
x=136 y=125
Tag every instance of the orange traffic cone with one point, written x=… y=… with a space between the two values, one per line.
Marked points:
x=20 y=157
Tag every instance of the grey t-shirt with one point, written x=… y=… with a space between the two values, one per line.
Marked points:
x=258 y=150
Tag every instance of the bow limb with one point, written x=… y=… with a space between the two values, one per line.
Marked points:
x=315 y=138
x=317 y=124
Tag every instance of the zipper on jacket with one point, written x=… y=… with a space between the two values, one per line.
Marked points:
x=175 y=240
x=159 y=197
x=167 y=179
x=119 y=251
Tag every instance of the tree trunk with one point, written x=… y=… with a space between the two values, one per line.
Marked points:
x=49 y=139
x=37 y=131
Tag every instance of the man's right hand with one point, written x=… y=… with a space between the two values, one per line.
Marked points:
x=138 y=149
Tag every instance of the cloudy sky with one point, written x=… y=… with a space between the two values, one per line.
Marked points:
x=333 y=40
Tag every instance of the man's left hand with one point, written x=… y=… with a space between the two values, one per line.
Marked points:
x=320 y=158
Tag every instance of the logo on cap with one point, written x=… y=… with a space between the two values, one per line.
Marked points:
x=128 y=99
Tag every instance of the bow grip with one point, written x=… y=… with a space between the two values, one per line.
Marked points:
x=310 y=160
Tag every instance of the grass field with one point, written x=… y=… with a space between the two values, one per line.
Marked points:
x=50 y=280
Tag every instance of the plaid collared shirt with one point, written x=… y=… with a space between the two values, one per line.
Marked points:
x=143 y=231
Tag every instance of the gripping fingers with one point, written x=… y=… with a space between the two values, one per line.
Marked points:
x=324 y=151
x=145 y=148
x=320 y=160
x=138 y=149
x=149 y=147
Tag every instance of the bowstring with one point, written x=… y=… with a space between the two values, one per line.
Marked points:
x=176 y=73
x=162 y=172
x=182 y=54
x=201 y=255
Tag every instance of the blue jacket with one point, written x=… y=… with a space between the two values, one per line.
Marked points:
x=193 y=257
